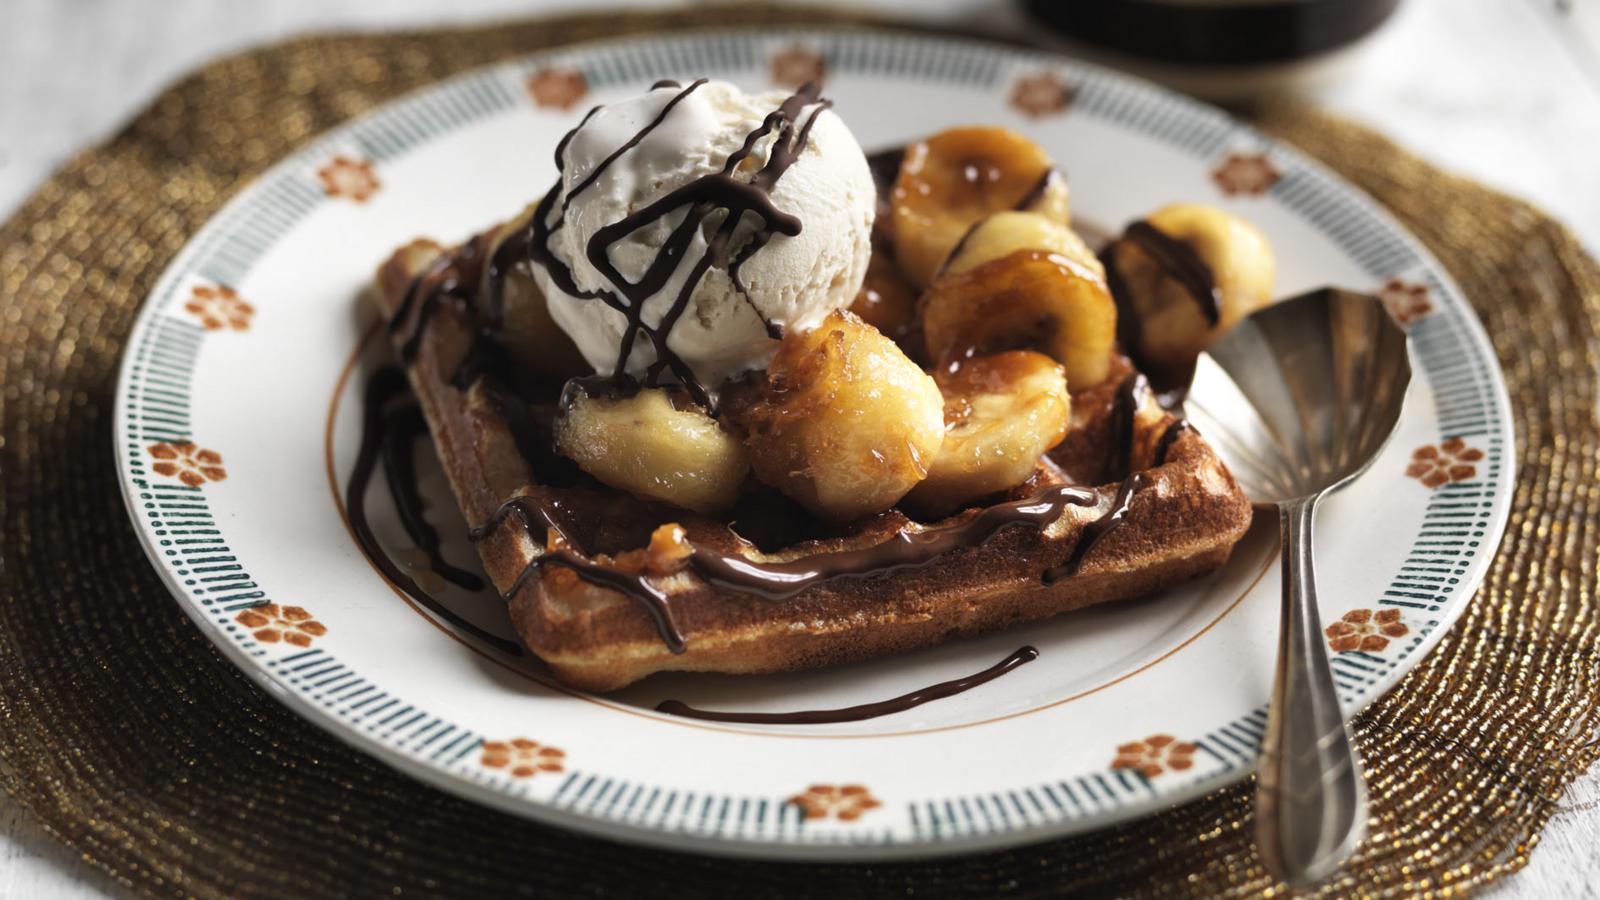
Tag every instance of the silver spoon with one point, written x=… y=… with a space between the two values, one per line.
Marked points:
x=1298 y=399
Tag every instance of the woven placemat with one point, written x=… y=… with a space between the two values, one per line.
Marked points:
x=134 y=742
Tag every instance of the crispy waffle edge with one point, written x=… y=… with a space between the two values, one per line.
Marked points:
x=1181 y=526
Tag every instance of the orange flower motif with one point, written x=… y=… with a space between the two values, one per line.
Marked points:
x=1155 y=754
x=1449 y=462
x=349 y=178
x=1360 y=629
x=1406 y=301
x=1248 y=174
x=272 y=623
x=521 y=757
x=186 y=462
x=219 y=307
x=557 y=88
x=846 y=803
x=1041 y=94
x=795 y=65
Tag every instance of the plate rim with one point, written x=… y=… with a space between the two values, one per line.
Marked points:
x=734 y=843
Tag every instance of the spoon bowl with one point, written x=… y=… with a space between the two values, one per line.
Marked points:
x=1298 y=399
x=1301 y=395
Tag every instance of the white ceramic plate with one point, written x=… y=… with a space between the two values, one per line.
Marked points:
x=238 y=421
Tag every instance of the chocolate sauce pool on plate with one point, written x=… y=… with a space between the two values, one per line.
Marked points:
x=386 y=386
x=403 y=427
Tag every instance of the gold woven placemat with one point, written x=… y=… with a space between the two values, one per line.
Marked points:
x=131 y=740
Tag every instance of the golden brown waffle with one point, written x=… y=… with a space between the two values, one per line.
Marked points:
x=1181 y=522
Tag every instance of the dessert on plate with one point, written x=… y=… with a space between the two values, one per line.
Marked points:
x=733 y=396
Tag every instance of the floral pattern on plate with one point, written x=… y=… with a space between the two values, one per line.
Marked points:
x=1043 y=93
x=1436 y=465
x=1155 y=755
x=350 y=179
x=1406 y=301
x=522 y=757
x=557 y=88
x=191 y=464
x=797 y=64
x=271 y=623
x=1246 y=174
x=1364 y=630
x=846 y=803
x=219 y=307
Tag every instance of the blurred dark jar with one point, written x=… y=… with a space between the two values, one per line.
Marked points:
x=1218 y=47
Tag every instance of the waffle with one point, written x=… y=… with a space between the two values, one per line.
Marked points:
x=1142 y=527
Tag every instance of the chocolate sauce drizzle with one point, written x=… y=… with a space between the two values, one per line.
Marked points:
x=631 y=143
x=781 y=580
x=474 y=278
x=1124 y=416
x=719 y=192
x=630 y=584
x=1168 y=438
x=454 y=276
x=377 y=436
x=1095 y=531
x=403 y=427
x=533 y=514
x=905 y=550
x=527 y=510
x=1180 y=262
x=1021 y=657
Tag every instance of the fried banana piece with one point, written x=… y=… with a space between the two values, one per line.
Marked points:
x=1001 y=413
x=958 y=177
x=846 y=423
x=1021 y=281
x=652 y=448
x=1174 y=326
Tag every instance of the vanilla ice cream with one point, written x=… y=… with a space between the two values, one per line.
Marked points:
x=628 y=158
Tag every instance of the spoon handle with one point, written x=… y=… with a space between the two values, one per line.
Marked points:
x=1311 y=804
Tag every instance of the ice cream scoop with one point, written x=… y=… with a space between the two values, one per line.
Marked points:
x=695 y=224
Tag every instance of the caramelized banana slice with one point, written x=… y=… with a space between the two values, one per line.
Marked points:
x=886 y=301
x=647 y=446
x=1001 y=414
x=1169 y=292
x=846 y=423
x=529 y=334
x=1052 y=298
x=1004 y=233
x=957 y=177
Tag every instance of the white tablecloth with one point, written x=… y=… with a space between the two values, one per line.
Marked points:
x=1506 y=91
